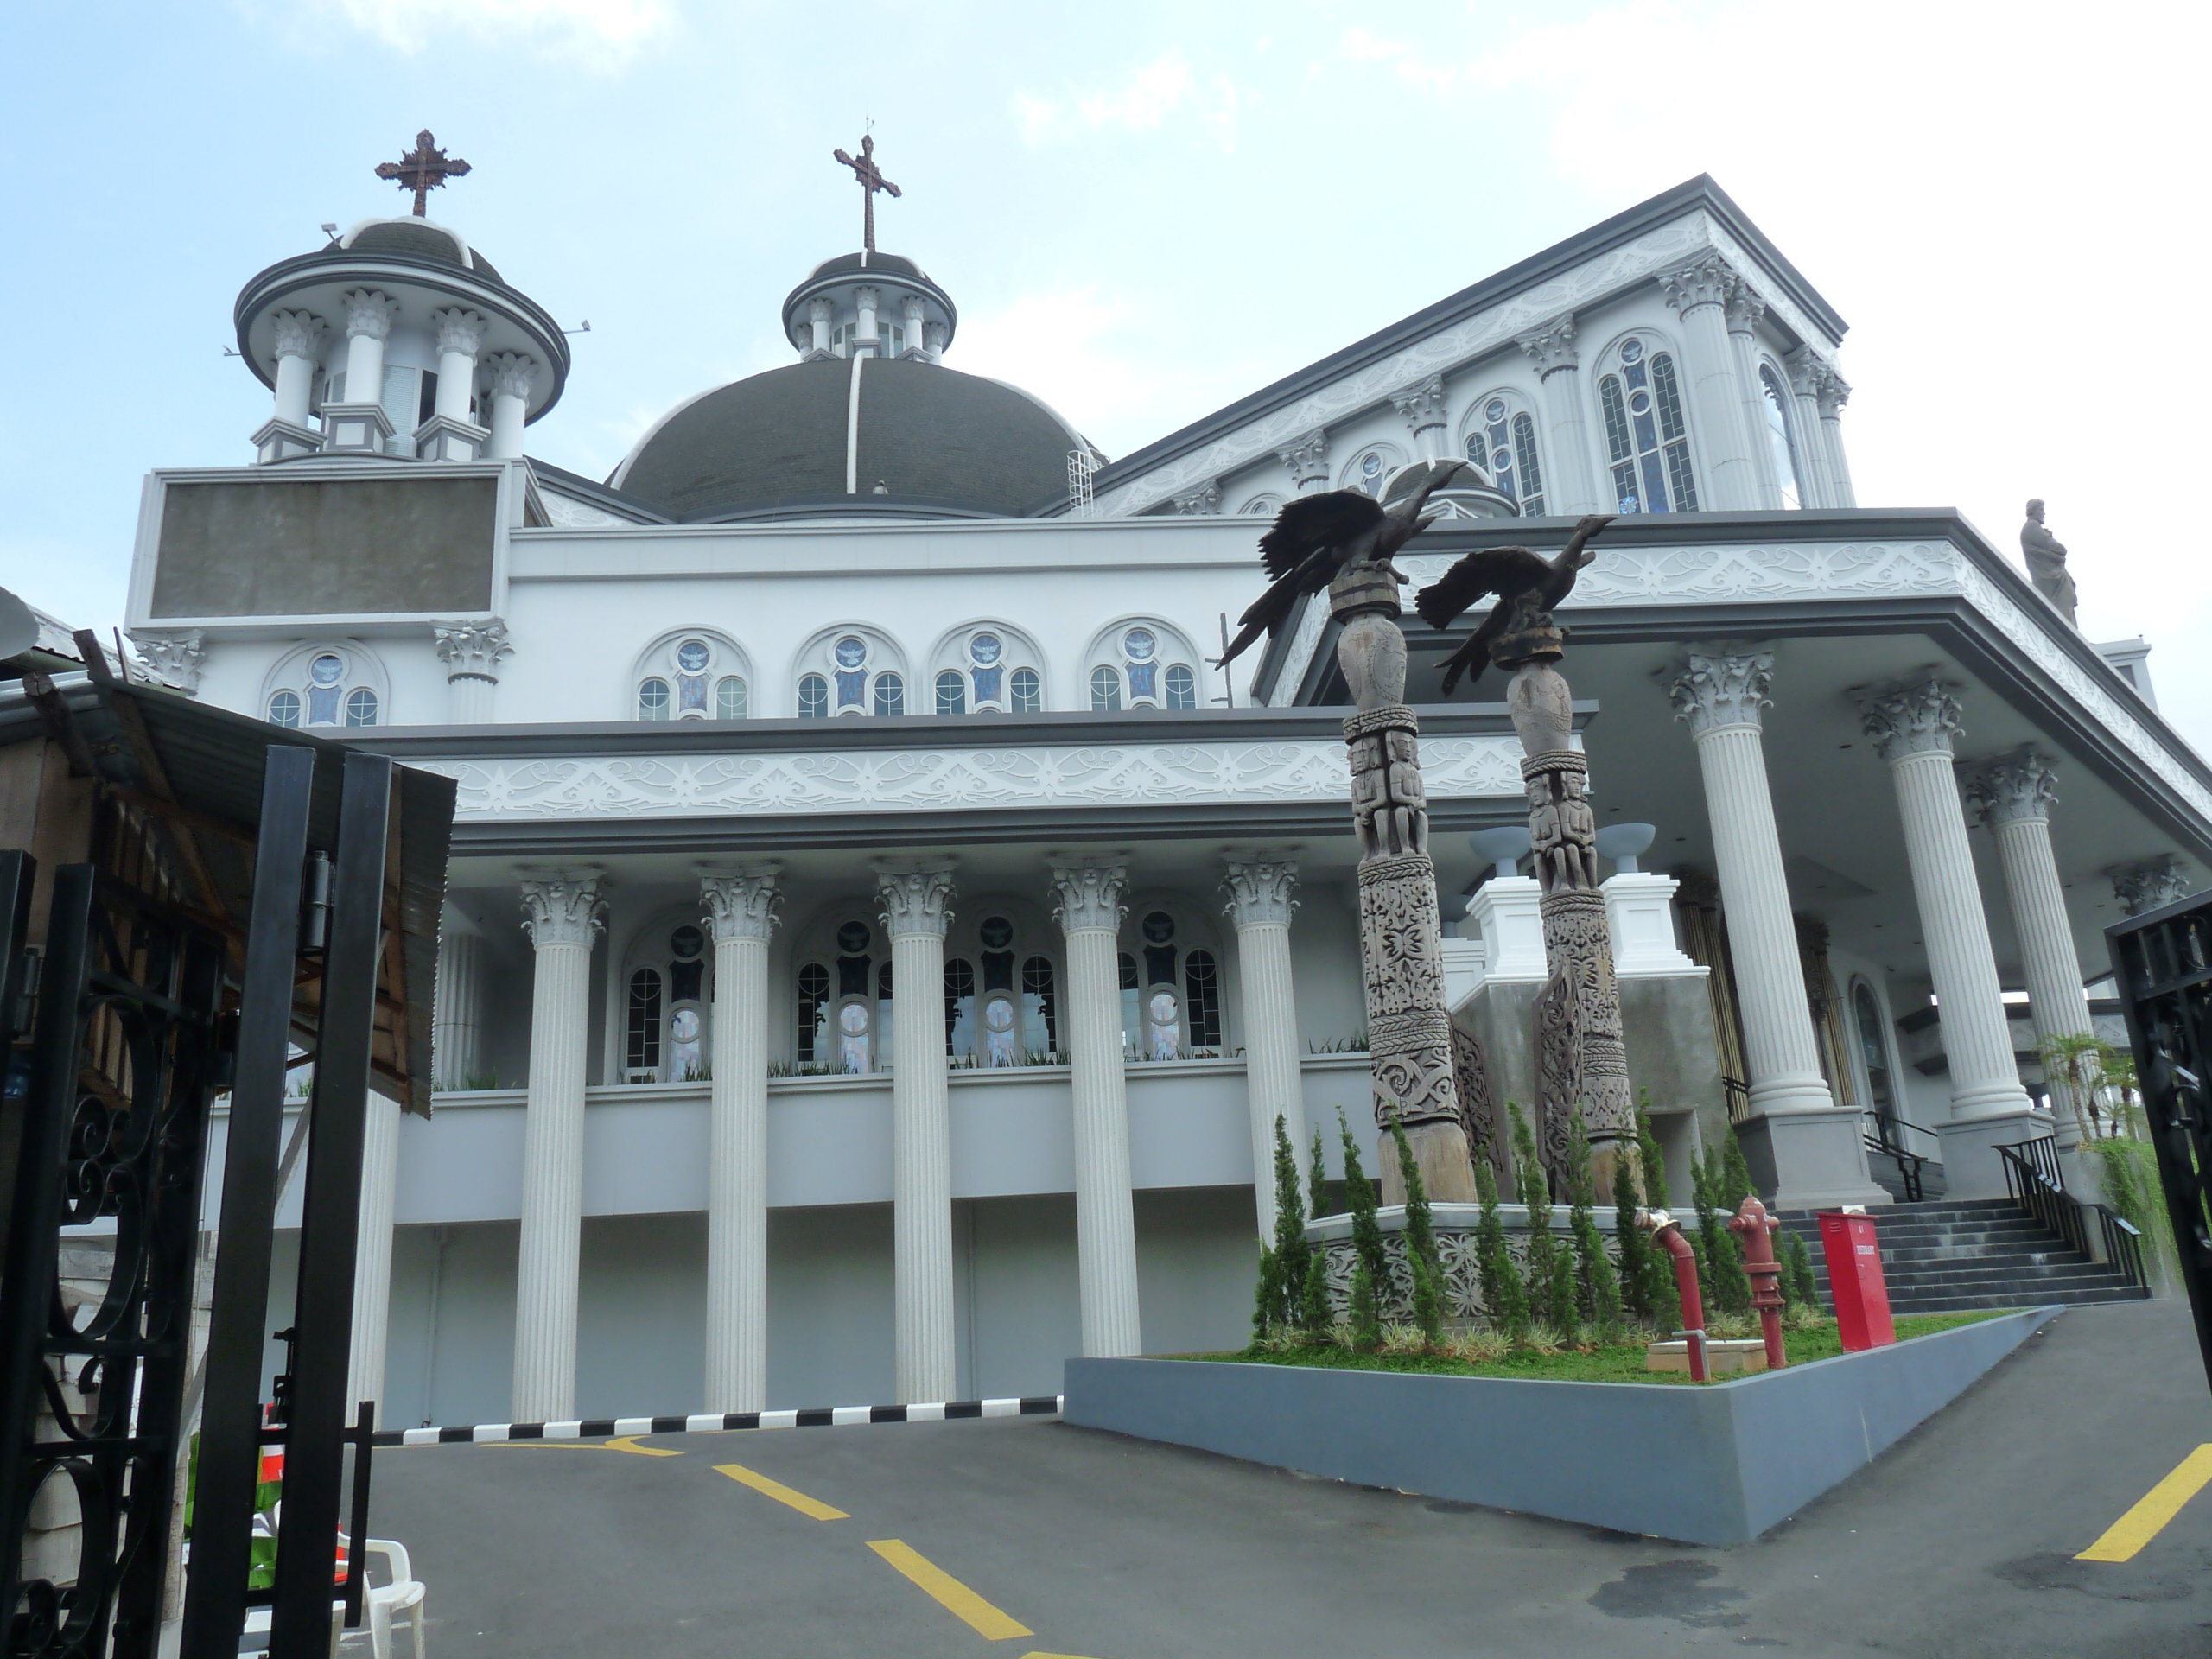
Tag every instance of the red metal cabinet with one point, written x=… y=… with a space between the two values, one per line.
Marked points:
x=1861 y=1296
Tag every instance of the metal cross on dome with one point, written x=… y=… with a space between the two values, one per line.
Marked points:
x=422 y=169
x=871 y=180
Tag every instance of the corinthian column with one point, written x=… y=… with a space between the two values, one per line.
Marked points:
x=1745 y=309
x=1308 y=461
x=563 y=910
x=1699 y=292
x=372 y=1251
x=1816 y=487
x=2151 y=884
x=1090 y=910
x=1803 y=1151
x=513 y=374
x=1558 y=368
x=1259 y=902
x=740 y=916
x=456 y=1015
x=1835 y=392
x=915 y=899
x=1422 y=409
x=298 y=340
x=1912 y=723
x=2013 y=794
x=472 y=652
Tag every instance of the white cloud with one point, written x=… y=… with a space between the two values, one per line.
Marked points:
x=1141 y=103
x=601 y=31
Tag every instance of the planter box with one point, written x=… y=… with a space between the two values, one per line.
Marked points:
x=1717 y=1465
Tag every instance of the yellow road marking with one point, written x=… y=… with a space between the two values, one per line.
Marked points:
x=950 y=1594
x=2160 y=1505
x=1040 y=1654
x=781 y=1493
x=627 y=1443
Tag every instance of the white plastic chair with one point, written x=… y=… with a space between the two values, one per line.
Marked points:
x=404 y=1594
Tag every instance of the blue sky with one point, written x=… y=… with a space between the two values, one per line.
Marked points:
x=1142 y=211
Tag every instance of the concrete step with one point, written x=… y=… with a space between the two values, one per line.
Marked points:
x=1974 y=1275
x=2025 y=1296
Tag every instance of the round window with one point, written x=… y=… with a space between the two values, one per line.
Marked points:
x=852 y=1018
x=997 y=933
x=984 y=648
x=1639 y=402
x=1370 y=464
x=685 y=1026
x=692 y=656
x=852 y=651
x=686 y=942
x=1495 y=409
x=852 y=937
x=1140 y=644
x=998 y=1014
x=1159 y=927
x=1632 y=351
x=325 y=670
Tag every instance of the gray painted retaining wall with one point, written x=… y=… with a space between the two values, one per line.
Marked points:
x=1716 y=1465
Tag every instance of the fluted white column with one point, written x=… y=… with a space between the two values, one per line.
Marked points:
x=368 y=321
x=912 y=307
x=563 y=910
x=1720 y=692
x=461 y=338
x=867 y=299
x=1699 y=291
x=1421 y=407
x=472 y=652
x=513 y=374
x=1090 y=910
x=1744 y=308
x=740 y=916
x=916 y=898
x=1912 y=723
x=1835 y=392
x=457 y=1016
x=1816 y=485
x=298 y=340
x=1260 y=903
x=1573 y=487
x=372 y=1254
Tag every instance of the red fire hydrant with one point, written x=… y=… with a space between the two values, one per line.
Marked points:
x=1668 y=1235
x=1755 y=1229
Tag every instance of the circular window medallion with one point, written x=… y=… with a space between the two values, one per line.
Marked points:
x=852 y=937
x=1140 y=644
x=852 y=1018
x=1159 y=927
x=997 y=933
x=852 y=651
x=1632 y=351
x=984 y=648
x=1495 y=409
x=683 y=1026
x=692 y=656
x=686 y=942
x=1639 y=402
x=325 y=670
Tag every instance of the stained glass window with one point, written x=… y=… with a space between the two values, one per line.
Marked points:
x=1531 y=471
x=284 y=709
x=729 y=698
x=362 y=707
x=1777 y=436
x=642 y=1052
x=1371 y=475
x=323 y=675
x=1647 y=440
x=1182 y=688
x=813 y=697
x=1202 y=986
x=652 y=700
x=1028 y=691
x=890 y=694
x=951 y=693
x=1105 y=689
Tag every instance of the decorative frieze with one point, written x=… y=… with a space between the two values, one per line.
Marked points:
x=1207 y=498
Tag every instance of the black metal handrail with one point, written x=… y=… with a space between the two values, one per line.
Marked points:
x=2032 y=1176
x=1738 y=1095
x=1885 y=1140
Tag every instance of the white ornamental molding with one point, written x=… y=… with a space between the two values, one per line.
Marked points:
x=1551 y=347
x=299 y=333
x=1307 y=457
x=459 y=331
x=1918 y=713
x=1718 y=687
x=1745 y=307
x=1204 y=499
x=741 y=903
x=2009 y=788
x=1420 y=406
x=916 y=897
x=513 y=373
x=926 y=781
x=175 y=659
x=564 y=907
x=1089 y=897
x=473 y=649
x=561 y=513
x=1260 y=891
x=1709 y=279
x=368 y=312
x=2150 y=885
x=1833 y=391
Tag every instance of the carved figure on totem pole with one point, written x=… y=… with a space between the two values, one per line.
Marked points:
x=1578 y=1020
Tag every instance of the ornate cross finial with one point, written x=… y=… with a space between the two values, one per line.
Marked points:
x=871 y=180
x=424 y=168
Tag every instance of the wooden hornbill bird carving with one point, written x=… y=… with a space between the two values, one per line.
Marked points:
x=1525 y=583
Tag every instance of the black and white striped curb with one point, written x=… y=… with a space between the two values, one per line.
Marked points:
x=595 y=1428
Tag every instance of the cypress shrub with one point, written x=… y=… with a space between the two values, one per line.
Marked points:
x=1424 y=1263
x=1599 y=1298
x=1317 y=1178
x=1313 y=1313
x=1549 y=1270
x=1647 y=1144
x=1642 y=1289
x=1503 y=1300
x=1279 y=1301
x=1797 y=1273
x=1370 y=1273
x=1720 y=1264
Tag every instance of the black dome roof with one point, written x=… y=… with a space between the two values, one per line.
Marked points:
x=932 y=437
x=420 y=240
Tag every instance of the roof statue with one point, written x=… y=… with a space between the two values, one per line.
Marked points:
x=422 y=169
x=2046 y=556
x=1525 y=584
x=871 y=179
x=1315 y=536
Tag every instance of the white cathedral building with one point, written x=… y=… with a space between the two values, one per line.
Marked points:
x=880 y=942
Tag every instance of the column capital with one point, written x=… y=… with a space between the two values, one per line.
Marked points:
x=1308 y=458
x=1744 y=308
x=741 y=903
x=1420 y=405
x=2149 y=883
x=473 y=649
x=1917 y=715
x=2009 y=788
x=1259 y=888
x=298 y=333
x=1090 y=896
x=1207 y=498
x=564 y=907
x=368 y=312
x=1805 y=370
x=911 y=304
x=1551 y=347
x=1720 y=686
x=1709 y=279
x=916 y=896
x=513 y=373
x=818 y=311
x=175 y=658
x=460 y=330
x=1831 y=389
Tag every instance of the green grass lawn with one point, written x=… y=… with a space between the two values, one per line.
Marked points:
x=1623 y=1363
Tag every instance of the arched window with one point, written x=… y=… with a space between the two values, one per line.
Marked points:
x=1370 y=474
x=362 y=707
x=890 y=694
x=813 y=997
x=729 y=697
x=1041 y=1019
x=284 y=711
x=341 y=684
x=1182 y=688
x=1105 y=689
x=1132 y=1002
x=1647 y=440
x=1504 y=444
x=641 y=1053
x=959 y=1006
x=1202 y=999
x=1262 y=506
x=951 y=693
x=653 y=699
x=1873 y=1049
x=813 y=697
x=1028 y=691
x=883 y=1015
x=692 y=676
x=1776 y=404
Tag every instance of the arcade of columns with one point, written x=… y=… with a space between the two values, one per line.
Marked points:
x=1719 y=691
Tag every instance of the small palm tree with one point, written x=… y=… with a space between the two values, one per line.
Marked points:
x=2080 y=1064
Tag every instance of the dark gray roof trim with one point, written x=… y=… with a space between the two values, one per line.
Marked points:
x=1699 y=193
x=599 y=495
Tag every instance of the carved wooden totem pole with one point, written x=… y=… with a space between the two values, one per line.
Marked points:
x=1401 y=940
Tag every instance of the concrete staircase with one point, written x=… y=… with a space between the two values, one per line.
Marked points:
x=1949 y=1257
x=1889 y=1175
